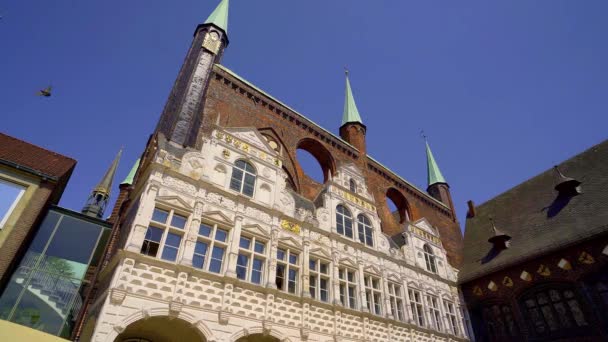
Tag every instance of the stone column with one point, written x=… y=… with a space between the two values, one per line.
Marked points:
x=336 y=275
x=191 y=235
x=233 y=247
x=361 y=276
x=272 y=258
x=386 y=295
x=144 y=215
x=406 y=299
x=306 y=266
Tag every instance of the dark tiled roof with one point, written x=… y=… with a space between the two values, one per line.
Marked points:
x=35 y=158
x=536 y=219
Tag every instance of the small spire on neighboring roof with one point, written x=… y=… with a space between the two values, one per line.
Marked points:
x=434 y=175
x=566 y=185
x=498 y=239
x=99 y=197
x=351 y=113
x=105 y=185
x=129 y=179
x=219 y=17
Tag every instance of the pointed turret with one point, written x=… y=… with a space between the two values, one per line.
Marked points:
x=352 y=130
x=437 y=186
x=131 y=176
x=182 y=116
x=98 y=200
x=219 y=17
x=434 y=175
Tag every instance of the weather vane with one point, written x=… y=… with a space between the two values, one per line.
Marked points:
x=422 y=134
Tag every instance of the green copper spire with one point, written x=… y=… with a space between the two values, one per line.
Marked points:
x=219 y=17
x=129 y=179
x=351 y=113
x=434 y=174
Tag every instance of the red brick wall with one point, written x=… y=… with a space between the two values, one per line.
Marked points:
x=238 y=105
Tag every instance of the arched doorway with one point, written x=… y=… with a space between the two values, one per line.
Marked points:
x=258 y=338
x=160 y=329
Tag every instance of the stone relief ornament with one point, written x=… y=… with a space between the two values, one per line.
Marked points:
x=258 y=214
x=221 y=201
x=290 y=226
x=323 y=215
x=266 y=172
x=179 y=185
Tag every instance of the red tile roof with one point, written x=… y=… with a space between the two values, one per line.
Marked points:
x=33 y=157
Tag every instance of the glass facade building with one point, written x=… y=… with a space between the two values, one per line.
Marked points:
x=45 y=291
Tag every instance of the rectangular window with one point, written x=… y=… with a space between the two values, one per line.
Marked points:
x=416 y=305
x=211 y=238
x=394 y=292
x=451 y=316
x=319 y=279
x=348 y=287
x=10 y=193
x=251 y=259
x=433 y=304
x=373 y=294
x=287 y=270
x=163 y=236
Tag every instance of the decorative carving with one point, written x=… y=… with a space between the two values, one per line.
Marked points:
x=266 y=172
x=212 y=42
x=221 y=201
x=179 y=185
x=117 y=296
x=323 y=215
x=507 y=281
x=525 y=276
x=543 y=270
x=477 y=291
x=586 y=258
x=492 y=286
x=226 y=154
x=290 y=226
x=258 y=214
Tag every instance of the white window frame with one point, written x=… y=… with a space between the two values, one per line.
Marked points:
x=167 y=228
x=450 y=312
x=252 y=254
x=430 y=258
x=12 y=207
x=373 y=293
x=315 y=290
x=417 y=306
x=434 y=312
x=364 y=226
x=396 y=300
x=345 y=284
x=288 y=265
x=242 y=180
x=212 y=242
x=343 y=218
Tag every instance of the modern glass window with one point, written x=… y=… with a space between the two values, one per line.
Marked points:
x=365 y=231
x=251 y=259
x=553 y=311
x=499 y=321
x=433 y=305
x=396 y=300
x=416 y=306
x=429 y=258
x=319 y=279
x=243 y=178
x=10 y=193
x=344 y=221
x=165 y=233
x=287 y=270
x=348 y=287
x=450 y=312
x=352 y=185
x=373 y=294
x=210 y=248
x=45 y=291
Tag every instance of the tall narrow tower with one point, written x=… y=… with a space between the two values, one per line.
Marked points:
x=352 y=130
x=437 y=185
x=100 y=196
x=181 y=116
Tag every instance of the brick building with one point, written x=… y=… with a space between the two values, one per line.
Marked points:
x=31 y=179
x=536 y=257
x=222 y=236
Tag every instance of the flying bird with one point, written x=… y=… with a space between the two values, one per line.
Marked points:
x=45 y=92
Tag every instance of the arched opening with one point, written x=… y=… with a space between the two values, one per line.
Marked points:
x=258 y=338
x=397 y=205
x=314 y=160
x=352 y=185
x=161 y=329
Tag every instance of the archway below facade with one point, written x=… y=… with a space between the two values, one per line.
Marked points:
x=258 y=338
x=160 y=329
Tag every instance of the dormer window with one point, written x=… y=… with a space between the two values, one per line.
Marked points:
x=353 y=185
x=429 y=258
x=243 y=178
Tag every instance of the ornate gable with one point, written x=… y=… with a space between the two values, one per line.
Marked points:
x=252 y=137
x=321 y=252
x=218 y=216
x=255 y=229
x=174 y=201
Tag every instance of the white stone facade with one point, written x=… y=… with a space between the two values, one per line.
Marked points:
x=222 y=307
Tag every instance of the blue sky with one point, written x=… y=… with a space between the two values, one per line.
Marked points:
x=503 y=89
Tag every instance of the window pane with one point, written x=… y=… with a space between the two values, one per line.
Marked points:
x=198 y=261
x=245 y=242
x=160 y=215
x=236 y=180
x=205 y=230
x=249 y=185
x=173 y=240
x=178 y=221
x=280 y=276
x=241 y=266
x=260 y=247
x=323 y=268
x=220 y=235
x=312 y=264
x=217 y=256
x=154 y=234
x=149 y=248
x=9 y=192
x=280 y=254
x=200 y=248
x=256 y=274
x=292 y=281
x=293 y=259
x=169 y=253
